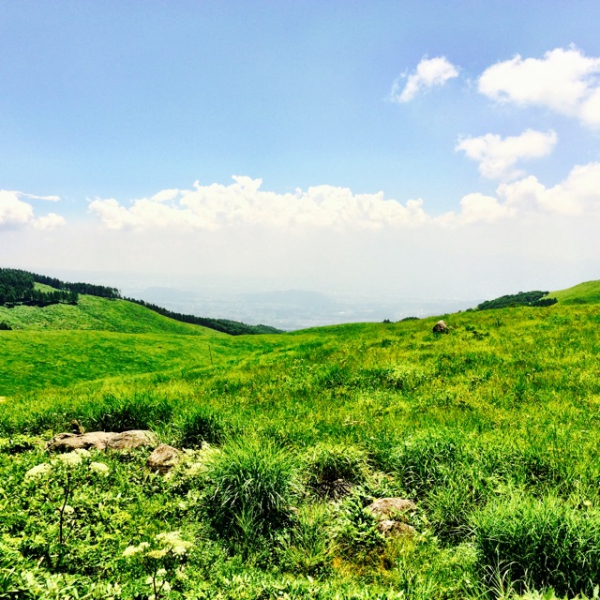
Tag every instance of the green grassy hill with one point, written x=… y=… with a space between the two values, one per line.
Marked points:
x=492 y=430
x=98 y=314
x=584 y=293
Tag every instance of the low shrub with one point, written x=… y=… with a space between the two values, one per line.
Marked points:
x=250 y=488
x=539 y=543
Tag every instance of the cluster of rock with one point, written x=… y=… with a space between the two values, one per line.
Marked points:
x=391 y=512
x=162 y=459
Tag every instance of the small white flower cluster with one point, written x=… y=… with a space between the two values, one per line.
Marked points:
x=70 y=460
x=164 y=543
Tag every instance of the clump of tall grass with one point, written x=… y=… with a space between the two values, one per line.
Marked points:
x=250 y=489
x=539 y=543
x=200 y=424
x=333 y=469
x=120 y=412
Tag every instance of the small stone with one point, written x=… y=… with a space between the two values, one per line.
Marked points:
x=385 y=508
x=391 y=528
x=441 y=327
x=163 y=459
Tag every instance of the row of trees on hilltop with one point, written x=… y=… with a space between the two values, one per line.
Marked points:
x=18 y=287
x=81 y=288
x=534 y=298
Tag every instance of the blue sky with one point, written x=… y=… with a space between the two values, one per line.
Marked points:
x=103 y=104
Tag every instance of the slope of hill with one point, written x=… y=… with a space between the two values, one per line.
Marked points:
x=100 y=314
x=491 y=430
x=584 y=293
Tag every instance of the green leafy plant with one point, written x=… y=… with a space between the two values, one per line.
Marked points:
x=160 y=558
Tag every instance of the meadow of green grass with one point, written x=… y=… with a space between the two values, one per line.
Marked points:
x=584 y=293
x=96 y=314
x=492 y=430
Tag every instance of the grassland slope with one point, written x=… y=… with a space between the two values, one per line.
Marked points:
x=97 y=314
x=492 y=430
x=583 y=293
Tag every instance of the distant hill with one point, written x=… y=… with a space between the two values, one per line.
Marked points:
x=36 y=302
x=583 y=293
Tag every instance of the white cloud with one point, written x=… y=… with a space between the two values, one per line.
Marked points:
x=430 y=72
x=243 y=203
x=578 y=194
x=48 y=222
x=34 y=197
x=564 y=80
x=14 y=212
x=478 y=207
x=497 y=156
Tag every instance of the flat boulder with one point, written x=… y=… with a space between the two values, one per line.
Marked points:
x=67 y=442
x=101 y=440
x=136 y=438
x=163 y=459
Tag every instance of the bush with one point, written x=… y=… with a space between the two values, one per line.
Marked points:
x=539 y=543
x=250 y=488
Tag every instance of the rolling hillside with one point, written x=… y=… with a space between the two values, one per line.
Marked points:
x=491 y=430
x=584 y=293
x=96 y=314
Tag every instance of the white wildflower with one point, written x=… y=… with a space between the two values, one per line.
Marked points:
x=38 y=471
x=83 y=453
x=99 y=468
x=71 y=459
x=131 y=550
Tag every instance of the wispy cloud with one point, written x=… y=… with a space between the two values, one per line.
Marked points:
x=430 y=72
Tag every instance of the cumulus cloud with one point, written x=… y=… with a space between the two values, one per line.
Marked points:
x=242 y=203
x=15 y=213
x=577 y=195
x=564 y=80
x=430 y=72
x=48 y=222
x=497 y=156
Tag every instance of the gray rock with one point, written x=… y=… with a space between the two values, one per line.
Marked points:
x=136 y=438
x=66 y=442
x=386 y=508
x=391 y=528
x=441 y=327
x=163 y=459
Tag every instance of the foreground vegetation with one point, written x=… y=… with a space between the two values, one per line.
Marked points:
x=492 y=430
